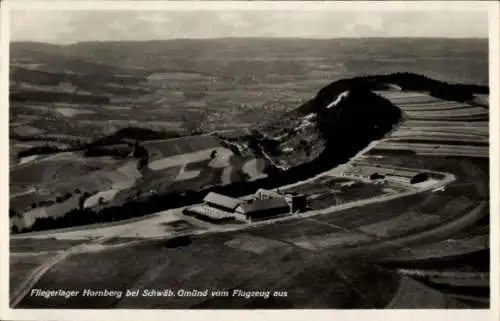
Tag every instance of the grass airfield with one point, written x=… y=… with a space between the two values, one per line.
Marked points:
x=408 y=227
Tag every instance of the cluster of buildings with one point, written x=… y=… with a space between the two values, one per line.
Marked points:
x=264 y=204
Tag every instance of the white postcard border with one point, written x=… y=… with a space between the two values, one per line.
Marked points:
x=65 y=314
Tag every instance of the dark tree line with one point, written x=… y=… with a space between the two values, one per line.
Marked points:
x=40 y=150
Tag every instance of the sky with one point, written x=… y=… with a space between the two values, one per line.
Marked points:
x=65 y=27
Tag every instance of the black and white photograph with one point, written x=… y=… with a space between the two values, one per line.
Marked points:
x=249 y=156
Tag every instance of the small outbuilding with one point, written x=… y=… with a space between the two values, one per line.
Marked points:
x=420 y=177
x=264 y=194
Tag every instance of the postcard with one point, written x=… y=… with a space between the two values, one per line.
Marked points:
x=215 y=159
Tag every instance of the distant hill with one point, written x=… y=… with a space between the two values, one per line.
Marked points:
x=197 y=55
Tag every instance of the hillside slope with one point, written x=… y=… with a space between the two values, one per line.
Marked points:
x=342 y=119
x=369 y=255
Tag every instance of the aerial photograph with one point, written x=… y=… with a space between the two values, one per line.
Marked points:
x=249 y=159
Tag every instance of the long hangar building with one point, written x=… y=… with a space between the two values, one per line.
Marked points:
x=263 y=205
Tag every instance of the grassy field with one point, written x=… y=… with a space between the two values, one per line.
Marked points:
x=461 y=149
x=437 y=128
x=21 y=266
x=225 y=267
x=41 y=245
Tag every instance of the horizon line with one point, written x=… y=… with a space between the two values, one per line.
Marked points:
x=242 y=38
